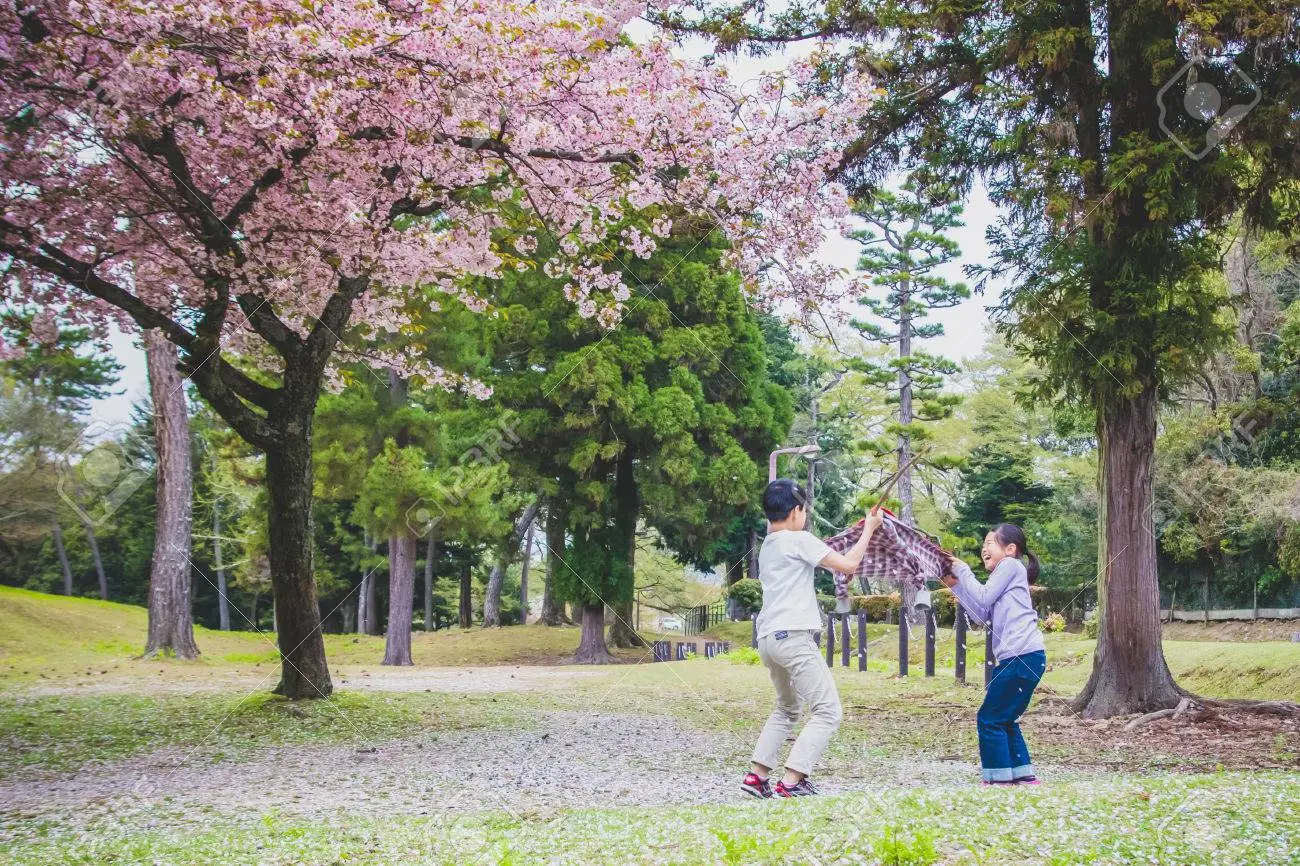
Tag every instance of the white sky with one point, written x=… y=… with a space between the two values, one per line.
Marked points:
x=964 y=325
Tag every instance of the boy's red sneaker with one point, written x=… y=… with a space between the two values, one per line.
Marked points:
x=756 y=786
x=803 y=788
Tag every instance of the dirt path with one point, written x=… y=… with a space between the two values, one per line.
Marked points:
x=567 y=760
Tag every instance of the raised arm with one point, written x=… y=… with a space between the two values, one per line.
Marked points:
x=848 y=562
x=978 y=598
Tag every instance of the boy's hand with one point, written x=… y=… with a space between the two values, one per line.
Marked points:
x=948 y=580
x=873 y=520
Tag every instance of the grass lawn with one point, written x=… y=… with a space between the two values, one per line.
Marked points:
x=479 y=754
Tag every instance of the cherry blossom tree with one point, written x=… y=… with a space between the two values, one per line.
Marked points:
x=262 y=180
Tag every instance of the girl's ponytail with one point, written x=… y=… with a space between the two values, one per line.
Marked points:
x=1031 y=567
x=1009 y=533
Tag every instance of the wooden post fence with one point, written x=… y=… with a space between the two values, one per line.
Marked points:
x=844 y=639
x=902 y=644
x=988 y=657
x=930 y=638
x=830 y=640
x=753 y=640
x=959 y=630
x=862 y=640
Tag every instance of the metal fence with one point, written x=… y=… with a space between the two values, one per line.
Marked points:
x=700 y=619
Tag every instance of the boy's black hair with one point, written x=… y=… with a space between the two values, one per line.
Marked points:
x=781 y=497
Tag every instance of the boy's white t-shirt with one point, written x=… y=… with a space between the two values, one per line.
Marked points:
x=785 y=568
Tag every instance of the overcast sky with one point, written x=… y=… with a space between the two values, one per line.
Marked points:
x=964 y=325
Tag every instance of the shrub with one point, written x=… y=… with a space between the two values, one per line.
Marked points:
x=877 y=606
x=744 y=655
x=1053 y=623
x=945 y=606
x=748 y=593
x=1091 y=625
x=826 y=602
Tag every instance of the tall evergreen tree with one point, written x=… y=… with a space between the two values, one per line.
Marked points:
x=1095 y=126
x=903 y=250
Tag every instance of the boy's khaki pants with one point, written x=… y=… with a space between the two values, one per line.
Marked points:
x=802 y=679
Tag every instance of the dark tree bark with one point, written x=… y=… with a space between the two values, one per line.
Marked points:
x=430 y=552
x=99 y=562
x=223 y=599
x=523 y=573
x=349 y=617
x=592 y=649
x=171 y=622
x=401 y=592
x=466 y=600
x=1129 y=673
x=63 y=559
x=304 y=672
x=552 y=608
x=626 y=508
x=492 y=598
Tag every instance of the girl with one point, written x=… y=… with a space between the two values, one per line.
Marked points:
x=1017 y=645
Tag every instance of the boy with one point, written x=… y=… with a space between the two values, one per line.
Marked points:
x=786 y=625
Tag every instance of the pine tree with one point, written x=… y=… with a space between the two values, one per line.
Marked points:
x=904 y=249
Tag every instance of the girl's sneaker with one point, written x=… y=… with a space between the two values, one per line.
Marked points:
x=756 y=786
x=804 y=788
x=988 y=784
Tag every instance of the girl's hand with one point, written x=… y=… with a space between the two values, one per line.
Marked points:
x=874 y=519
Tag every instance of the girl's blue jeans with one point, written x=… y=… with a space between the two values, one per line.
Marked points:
x=1003 y=753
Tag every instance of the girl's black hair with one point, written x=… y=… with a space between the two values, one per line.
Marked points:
x=1009 y=533
x=781 y=497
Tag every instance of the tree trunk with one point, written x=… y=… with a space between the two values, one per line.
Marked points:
x=592 y=649
x=372 y=595
x=171 y=622
x=904 y=485
x=223 y=599
x=626 y=508
x=401 y=598
x=304 y=672
x=523 y=574
x=99 y=562
x=361 y=605
x=492 y=595
x=349 y=617
x=430 y=552
x=1129 y=674
x=492 y=598
x=401 y=555
x=552 y=608
x=466 y=601
x=63 y=559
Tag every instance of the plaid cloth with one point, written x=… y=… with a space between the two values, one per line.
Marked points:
x=897 y=552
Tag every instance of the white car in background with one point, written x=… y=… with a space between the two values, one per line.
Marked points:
x=670 y=623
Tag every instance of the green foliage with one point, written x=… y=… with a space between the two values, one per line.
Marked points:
x=745 y=655
x=1053 y=622
x=913 y=846
x=748 y=592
